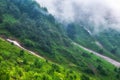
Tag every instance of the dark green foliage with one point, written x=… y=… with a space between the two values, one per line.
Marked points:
x=28 y=43
x=1 y=59
x=1 y=19
x=80 y=35
x=84 y=77
x=98 y=60
x=38 y=63
x=4 y=75
x=22 y=53
x=110 y=40
x=89 y=71
x=86 y=55
x=102 y=71
x=114 y=50
x=118 y=73
x=71 y=31
x=101 y=51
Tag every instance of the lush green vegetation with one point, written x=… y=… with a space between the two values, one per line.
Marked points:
x=78 y=34
x=17 y=64
x=37 y=30
x=25 y=20
x=108 y=40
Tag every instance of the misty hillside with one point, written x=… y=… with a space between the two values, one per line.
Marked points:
x=105 y=42
x=30 y=24
x=93 y=23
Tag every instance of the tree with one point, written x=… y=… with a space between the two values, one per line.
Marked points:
x=117 y=70
x=1 y=58
x=86 y=55
x=84 y=77
x=46 y=77
x=101 y=70
x=22 y=53
x=1 y=19
x=37 y=63
x=114 y=50
x=101 y=51
x=71 y=31
x=88 y=71
x=4 y=74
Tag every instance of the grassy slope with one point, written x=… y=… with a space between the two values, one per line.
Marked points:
x=17 y=65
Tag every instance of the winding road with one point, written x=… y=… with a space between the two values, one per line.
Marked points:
x=115 y=63
x=17 y=44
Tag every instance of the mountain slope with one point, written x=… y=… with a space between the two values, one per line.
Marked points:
x=110 y=40
x=32 y=20
x=117 y=64
x=36 y=30
x=105 y=42
x=16 y=63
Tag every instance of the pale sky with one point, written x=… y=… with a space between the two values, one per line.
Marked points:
x=92 y=11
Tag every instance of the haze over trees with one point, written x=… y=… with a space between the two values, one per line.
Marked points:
x=35 y=29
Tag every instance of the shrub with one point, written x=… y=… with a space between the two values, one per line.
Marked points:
x=84 y=77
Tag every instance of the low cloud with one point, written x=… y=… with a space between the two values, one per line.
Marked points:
x=96 y=14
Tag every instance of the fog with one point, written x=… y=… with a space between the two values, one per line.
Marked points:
x=97 y=14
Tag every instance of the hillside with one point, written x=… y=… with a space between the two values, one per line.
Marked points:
x=33 y=26
x=19 y=64
x=106 y=42
x=110 y=40
x=35 y=29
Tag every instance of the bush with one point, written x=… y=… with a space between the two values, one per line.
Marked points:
x=102 y=71
x=86 y=55
x=84 y=77
x=88 y=71
x=22 y=53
